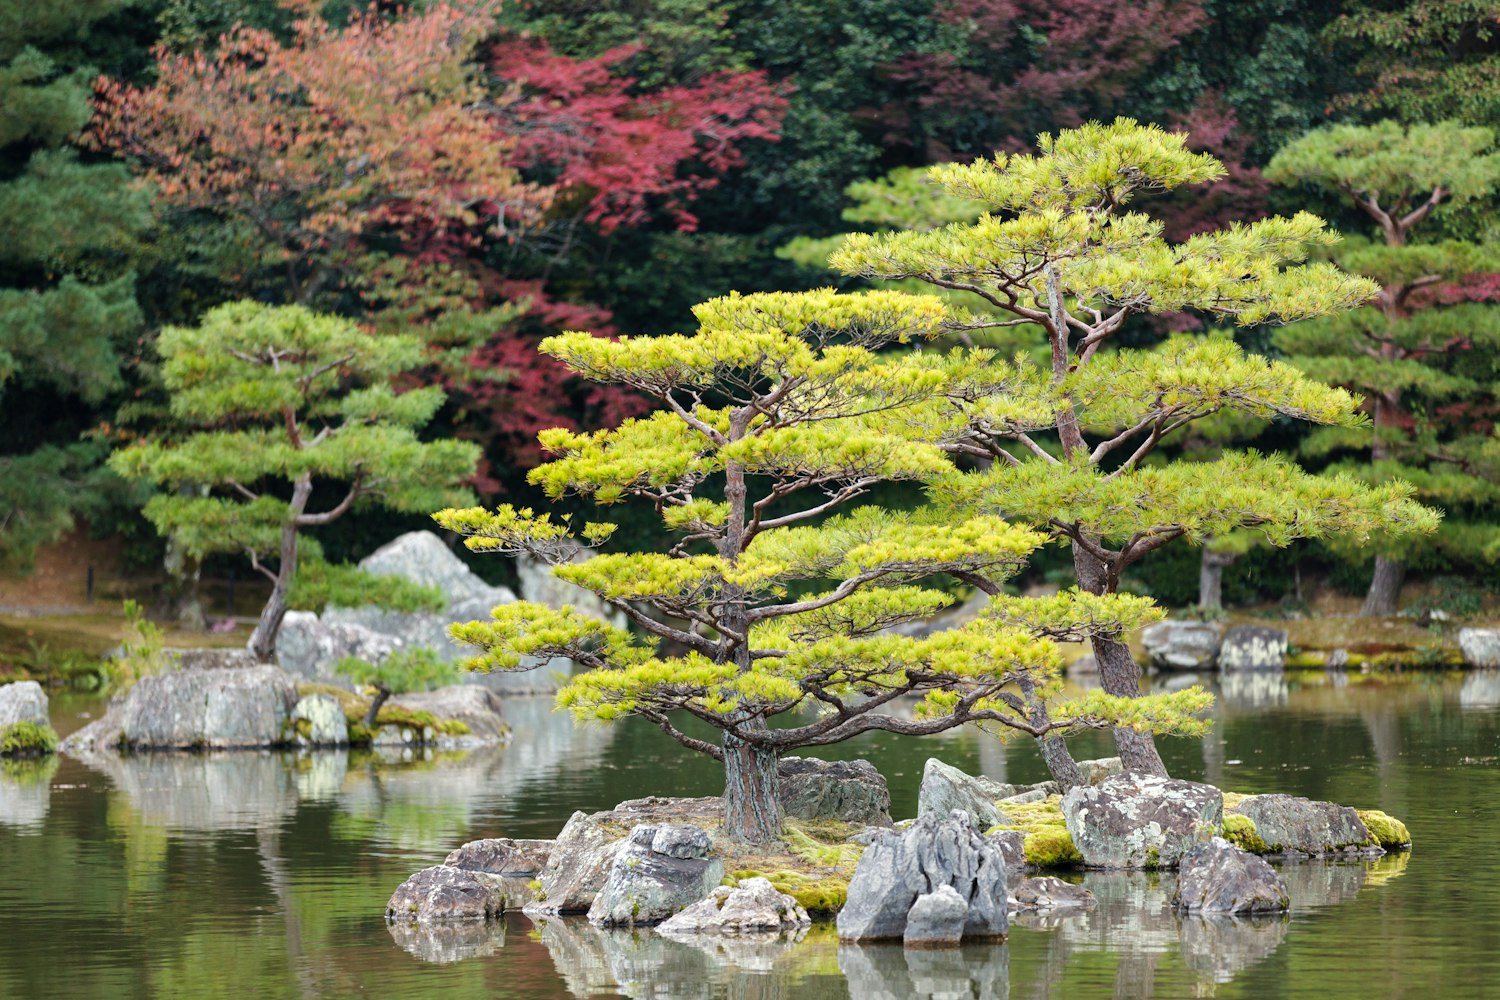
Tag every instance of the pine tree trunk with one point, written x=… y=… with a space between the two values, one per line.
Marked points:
x=1060 y=763
x=1119 y=674
x=263 y=639
x=381 y=694
x=752 y=804
x=1385 y=588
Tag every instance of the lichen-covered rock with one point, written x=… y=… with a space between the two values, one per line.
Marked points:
x=1012 y=846
x=1218 y=877
x=1480 y=646
x=936 y=919
x=444 y=893
x=852 y=791
x=502 y=856
x=22 y=703
x=1047 y=892
x=945 y=788
x=479 y=709
x=233 y=708
x=322 y=719
x=933 y=851
x=659 y=871
x=1095 y=771
x=1294 y=825
x=1253 y=647
x=1140 y=821
x=1181 y=645
x=578 y=866
x=755 y=906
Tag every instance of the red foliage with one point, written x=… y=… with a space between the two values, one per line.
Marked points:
x=627 y=150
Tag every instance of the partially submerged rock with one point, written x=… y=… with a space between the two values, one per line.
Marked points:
x=936 y=920
x=900 y=867
x=24 y=725
x=1253 y=647
x=945 y=788
x=1048 y=892
x=239 y=707
x=850 y=791
x=1480 y=646
x=659 y=871
x=1291 y=824
x=753 y=907
x=1218 y=877
x=319 y=721
x=445 y=893
x=1140 y=821
x=1181 y=645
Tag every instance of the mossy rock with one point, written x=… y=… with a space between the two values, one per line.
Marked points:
x=1240 y=831
x=1385 y=831
x=820 y=896
x=27 y=739
x=1048 y=843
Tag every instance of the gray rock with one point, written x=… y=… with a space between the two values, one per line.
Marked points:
x=502 y=856
x=475 y=707
x=646 y=886
x=1291 y=824
x=578 y=866
x=231 y=708
x=1012 y=845
x=755 y=906
x=933 y=851
x=946 y=788
x=1140 y=821
x=936 y=919
x=1253 y=647
x=1047 y=892
x=1095 y=771
x=1218 y=877
x=309 y=646
x=448 y=942
x=421 y=557
x=23 y=701
x=1181 y=645
x=852 y=791
x=326 y=724
x=212 y=658
x=444 y=893
x=1025 y=798
x=1480 y=646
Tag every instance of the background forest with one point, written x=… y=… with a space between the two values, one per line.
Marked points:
x=481 y=176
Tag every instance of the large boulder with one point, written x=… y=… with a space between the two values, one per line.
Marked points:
x=238 y=707
x=423 y=558
x=310 y=647
x=22 y=701
x=1480 y=646
x=755 y=906
x=1290 y=824
x=852 y=791
x=899 y=867
x=479 y=709
x=444 y=893
x=1218 y=877
x=659 y=871
x=945 y=789
x=1253 y=647
x=1181 y=645
x=1140 y=821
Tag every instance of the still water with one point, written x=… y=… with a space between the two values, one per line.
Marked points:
x=265 y=875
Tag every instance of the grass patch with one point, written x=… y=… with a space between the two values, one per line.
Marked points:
x=27 y=738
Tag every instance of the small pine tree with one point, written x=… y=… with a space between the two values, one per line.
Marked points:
x=418 y=669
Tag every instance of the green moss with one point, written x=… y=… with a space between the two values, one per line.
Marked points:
x=1386 y=831
x=1241 y=832
x=27 y=738
x=1051 y=847
x=818 y=895
x=829 y=847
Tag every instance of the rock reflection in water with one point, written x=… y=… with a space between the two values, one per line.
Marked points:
x=1219 y=946
x=1254 y=689
x=452 y=942
x=25 y=791
x=890 y=972
x=1481 y=689
x=238 y=790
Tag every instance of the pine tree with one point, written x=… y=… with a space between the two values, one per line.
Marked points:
x=291 y=402
x=777 y=599
x=1426 y=365
x=1060 y=253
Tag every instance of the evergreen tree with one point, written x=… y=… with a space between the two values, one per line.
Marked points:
x=1426 y=364
x=1060 y=253
x=779 y=595
x=291 y=402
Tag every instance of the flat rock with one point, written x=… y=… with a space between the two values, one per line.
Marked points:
x=1218 y=877
x=1047 y=892
x=755 y=906
x=1181 y=645
x=502 y=856
x=232 y=708
x=936 y=919
x=23 y=701
x=852 y=791
x=1253 y=647
x=1480 y=646
x=1291 y=824
x=659 y=871
x=1140 y=821
x=946 y=788
x=933 y=851
x=445 y=893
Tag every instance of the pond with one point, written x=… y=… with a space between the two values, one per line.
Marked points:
x=265 y=875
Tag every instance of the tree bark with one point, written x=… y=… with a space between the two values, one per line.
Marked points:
x=1211 y=578
x=1060 y=763
x=1119 y=674
x=1385 y=588
x=752 y=804
x=381 y=694
x=263 y=639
